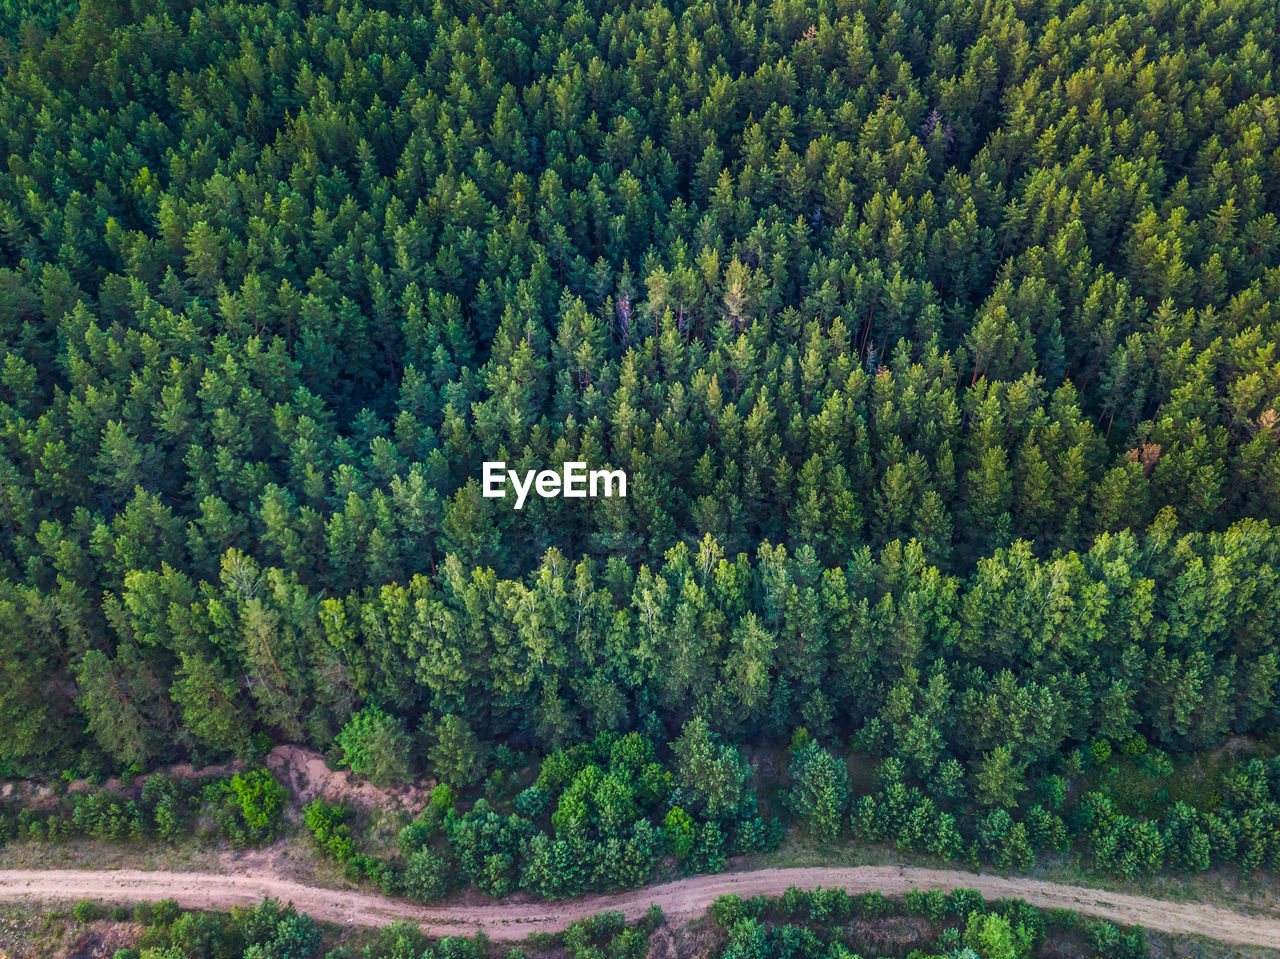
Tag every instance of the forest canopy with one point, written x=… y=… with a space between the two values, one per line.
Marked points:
x=938 y=341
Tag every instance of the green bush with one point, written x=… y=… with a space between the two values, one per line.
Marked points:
x=1052 y=791
x=992 y=936
x=457 y=755
x=442 y=799
x=86 y=910
x=678 y=831
x=160 y=914
x=755 y=835
x=1006 y=842
x=871 y=905
x=265 y=931
x=1099 y=752
x=830 y=905
x=328 y=824
x=426 y=875
x=1047 y=831
x=727 y=910
x=531 y=803
x=261 y=799
x=416 y=835
x=961 y=902
x=376 y=744
x=1111 y=943
x=932 y=905
x=819 y=791
x=361 y=866
x=708 y=854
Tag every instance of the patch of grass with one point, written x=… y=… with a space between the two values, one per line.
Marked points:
x=1140 y=787
x=1164 y=946
x=379 y=830
x=862 y=772
x=767 y=780
x=1138 y=790
x=80 y=853
x=292 y=856
x=799 y=850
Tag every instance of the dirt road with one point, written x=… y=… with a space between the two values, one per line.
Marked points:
x=680 y=901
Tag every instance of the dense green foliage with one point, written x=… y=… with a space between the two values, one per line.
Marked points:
x=328 y=824
x=376 y=745
x=831 y=924
x=819 y=790
x=600 y=816
x=938 y=340
x=592 y=822
x=265 y=931
x=270 y=931
x=245 y=809
x=261 y=799
x=1127 y=816
x=822 y=924
x=610 y=815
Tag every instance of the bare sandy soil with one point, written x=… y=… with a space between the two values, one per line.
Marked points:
x=680 y=901
x=305 y=773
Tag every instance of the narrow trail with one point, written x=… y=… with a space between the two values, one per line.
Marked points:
x=680 y=901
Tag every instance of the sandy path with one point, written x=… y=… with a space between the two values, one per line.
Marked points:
x=680 y=900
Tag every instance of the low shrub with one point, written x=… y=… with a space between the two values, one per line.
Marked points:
x=86 y=910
